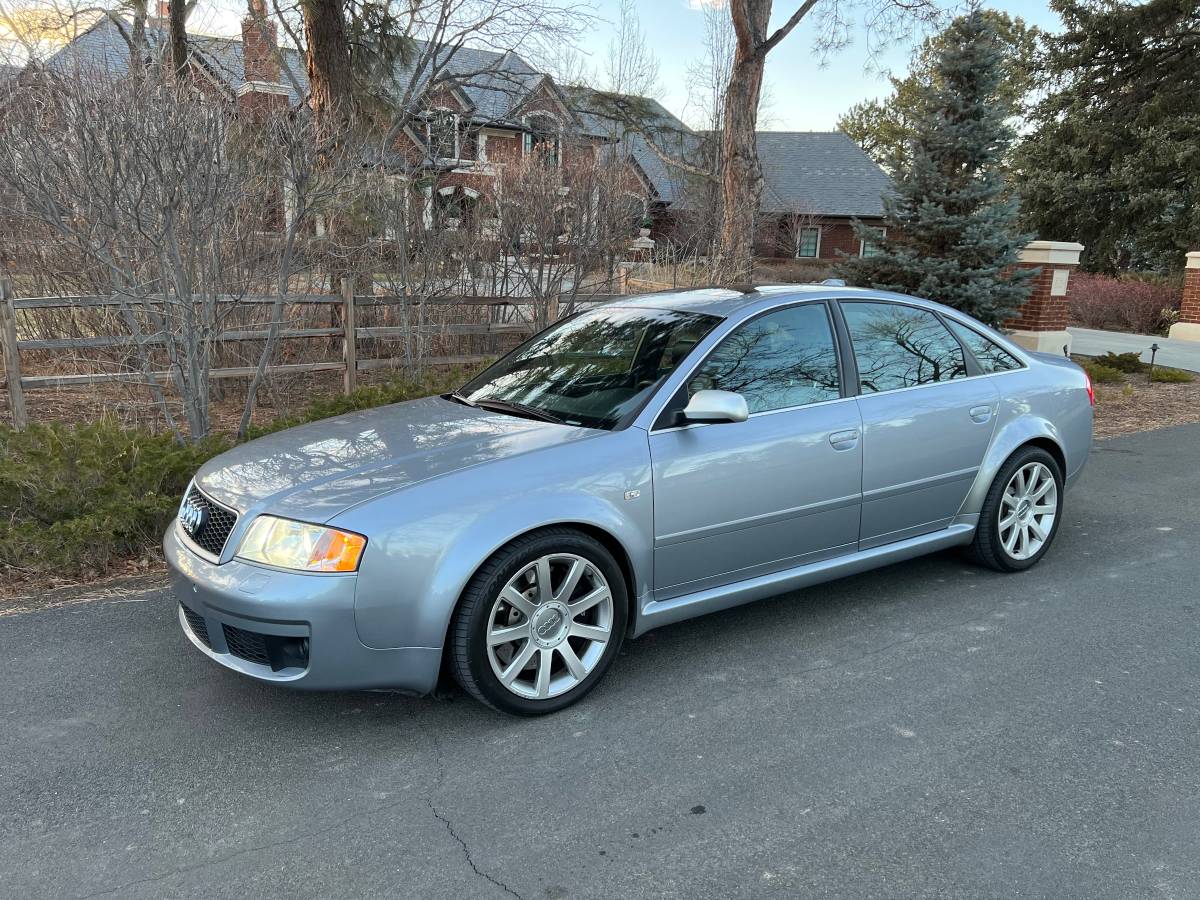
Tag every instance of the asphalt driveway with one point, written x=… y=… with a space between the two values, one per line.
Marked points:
x=930 y=729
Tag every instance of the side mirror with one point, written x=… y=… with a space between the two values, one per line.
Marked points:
x=716 y=406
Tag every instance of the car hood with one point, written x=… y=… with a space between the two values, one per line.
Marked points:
x=317 y=470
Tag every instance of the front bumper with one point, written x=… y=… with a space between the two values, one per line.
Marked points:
x=288 y=628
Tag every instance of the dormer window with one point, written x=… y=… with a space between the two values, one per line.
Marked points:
x=544 y=138
x=442 y=134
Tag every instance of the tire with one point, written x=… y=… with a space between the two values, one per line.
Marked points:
x=1007 y=537
x=562 y=642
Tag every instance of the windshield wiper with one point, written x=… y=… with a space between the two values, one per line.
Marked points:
x=459 y=398
x=517 y=409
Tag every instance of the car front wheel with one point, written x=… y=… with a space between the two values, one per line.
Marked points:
x=1021 y=513
x=540 y=623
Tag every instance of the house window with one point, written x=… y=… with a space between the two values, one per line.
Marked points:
x=808 y=243
x=870 y=246
x=441 y=132
x=543 y=138
x=455 y=208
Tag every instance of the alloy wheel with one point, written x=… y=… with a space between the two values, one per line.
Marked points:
x=1028 y=507
x=549 y=626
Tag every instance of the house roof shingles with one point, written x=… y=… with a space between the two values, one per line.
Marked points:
x=819 y=173
x=495 y=83
x=601 y=114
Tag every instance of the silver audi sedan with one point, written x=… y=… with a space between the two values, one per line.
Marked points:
x=633 y=465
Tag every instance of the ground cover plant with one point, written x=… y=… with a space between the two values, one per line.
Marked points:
x=77 y=500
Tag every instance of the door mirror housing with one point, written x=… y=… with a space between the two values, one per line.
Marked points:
x=716 y=406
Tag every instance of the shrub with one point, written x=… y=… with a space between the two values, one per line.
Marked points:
x=1101 y=374
x=75 y=499
x=1140 y=304
x=1123 y=362
x=792 y=271
x=1171 y=376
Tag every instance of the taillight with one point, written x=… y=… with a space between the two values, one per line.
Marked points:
x=1087 y=379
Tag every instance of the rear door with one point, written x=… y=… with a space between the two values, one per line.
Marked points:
x=928 y=415
x=736 y=500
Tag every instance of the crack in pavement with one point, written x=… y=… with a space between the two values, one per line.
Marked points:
x=441 y=776
x=467 y=853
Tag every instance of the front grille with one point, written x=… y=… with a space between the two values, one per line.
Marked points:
x=247 y=645
x=207 y=523
x=198 y=625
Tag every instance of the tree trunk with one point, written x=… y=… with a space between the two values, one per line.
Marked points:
x=328 y=62
x=137 y=43
x=177 y=27
x=741 y=175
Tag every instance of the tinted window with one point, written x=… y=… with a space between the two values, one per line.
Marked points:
x=594 y=368
x=782 y=359
x=901 y=346
x=992 y=357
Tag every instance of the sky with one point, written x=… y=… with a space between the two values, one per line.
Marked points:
x=807 y=91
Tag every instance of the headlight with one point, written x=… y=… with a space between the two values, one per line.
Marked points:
x=298 y=545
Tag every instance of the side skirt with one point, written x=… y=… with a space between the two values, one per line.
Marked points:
x=688 y=606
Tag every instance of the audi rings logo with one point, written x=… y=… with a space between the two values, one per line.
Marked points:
x=192 y=517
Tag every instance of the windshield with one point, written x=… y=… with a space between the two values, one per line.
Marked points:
x=594 y=368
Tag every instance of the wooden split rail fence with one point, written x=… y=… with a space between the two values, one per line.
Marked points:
x=350 y=333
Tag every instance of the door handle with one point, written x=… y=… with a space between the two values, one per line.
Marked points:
x=980 y=414
x=844 y=440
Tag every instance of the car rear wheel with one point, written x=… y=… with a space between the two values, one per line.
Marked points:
x=1021 y=513
x=540 y=623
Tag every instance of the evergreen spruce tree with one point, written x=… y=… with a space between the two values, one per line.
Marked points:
x=952 y=231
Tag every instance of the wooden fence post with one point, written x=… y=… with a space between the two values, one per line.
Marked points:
x=349 y=337
x=12 y=360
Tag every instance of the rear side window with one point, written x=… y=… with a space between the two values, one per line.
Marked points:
x=992 y=357
x=899 y=346
x=783 y=359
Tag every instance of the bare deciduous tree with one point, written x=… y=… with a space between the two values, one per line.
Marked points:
x=557 y=224
x=631 y=67
x=155 y=192
x=741 y=174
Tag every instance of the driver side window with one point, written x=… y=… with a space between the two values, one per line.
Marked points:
x=783 y=359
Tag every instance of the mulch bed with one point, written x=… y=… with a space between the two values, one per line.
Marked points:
x=1137 y=404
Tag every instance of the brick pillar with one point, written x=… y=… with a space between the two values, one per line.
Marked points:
x=1188 y=326
x=1042 y=322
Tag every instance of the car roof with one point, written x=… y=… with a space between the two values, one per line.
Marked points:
x=725 y=301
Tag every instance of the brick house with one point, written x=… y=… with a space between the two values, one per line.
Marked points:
x=489 y=108
x=815 y=183
x=485 y=109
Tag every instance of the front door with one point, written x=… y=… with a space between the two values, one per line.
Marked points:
x=927 y=423
x=737 y=500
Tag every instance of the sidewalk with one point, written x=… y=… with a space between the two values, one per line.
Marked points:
x=1174 y=353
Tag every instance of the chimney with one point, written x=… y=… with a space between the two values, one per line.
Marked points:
x=260 y=60
x=164 y=9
